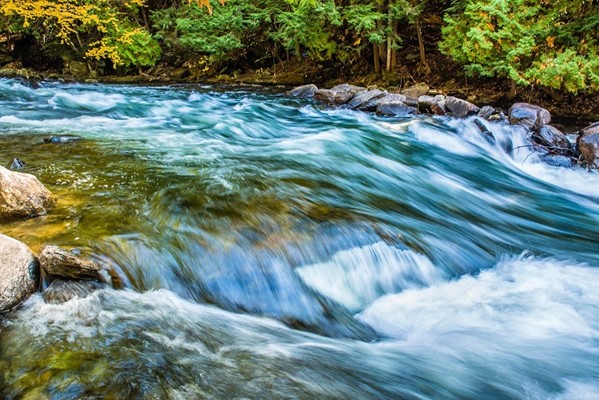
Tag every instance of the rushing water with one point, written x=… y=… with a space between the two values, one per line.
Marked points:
x=271 y=248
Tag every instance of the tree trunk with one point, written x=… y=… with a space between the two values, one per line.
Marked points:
x=511 y=95
x=423 y=61
x=377 y=60
x=394 y=51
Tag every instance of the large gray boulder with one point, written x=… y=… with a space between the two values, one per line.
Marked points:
x=304 y=91
x=529 y=115
x=387 y=99
x=430 y=104
x=22 y=195
x=19 y=272
x=460 y=108
x=363 y=98
x=58 y=262
x=340 y=94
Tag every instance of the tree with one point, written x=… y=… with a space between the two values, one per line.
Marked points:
x=95 y=29
x=527 y=41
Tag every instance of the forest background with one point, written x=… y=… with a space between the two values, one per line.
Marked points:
x=547 y=49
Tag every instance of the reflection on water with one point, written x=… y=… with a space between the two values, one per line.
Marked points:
x=274 y=249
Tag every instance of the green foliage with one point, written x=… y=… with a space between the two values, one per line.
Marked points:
x=308 y=25
x=547 y=43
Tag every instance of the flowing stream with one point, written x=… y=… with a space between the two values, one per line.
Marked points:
x=271 y=248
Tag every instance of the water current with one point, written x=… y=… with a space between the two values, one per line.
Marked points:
x=272 y=248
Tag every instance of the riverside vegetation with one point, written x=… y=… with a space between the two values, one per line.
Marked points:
x=549 y=47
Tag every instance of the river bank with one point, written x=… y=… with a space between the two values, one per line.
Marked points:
x=568 y=109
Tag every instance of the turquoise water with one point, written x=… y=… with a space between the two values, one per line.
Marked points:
x=273 y=248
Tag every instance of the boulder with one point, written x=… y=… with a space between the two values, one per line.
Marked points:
x=63 y=290
x=587 y=144
x=22 y=195
x=589 y=149
x=346 y=87
x=460 y=108
x=396 y=110
x=58 y=262
x=590 y=130
x=304 y=91
x=416 y=90
x=550 y=136
x=486 y=112
x=340 y=94
x=329 y=97
x=430 y=104
x=388 y=98
x=19 y=272
x=365 y=97
x=528 y=115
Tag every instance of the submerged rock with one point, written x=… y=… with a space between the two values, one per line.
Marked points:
x=528 y=115
x=460 y=108
x=22 y=195
x=17 y=163
x=61 y=139
x=303 y=91
x=62 y=290
x=19 y=272
x=58 y=262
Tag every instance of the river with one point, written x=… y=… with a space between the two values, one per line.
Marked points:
x=272 y=248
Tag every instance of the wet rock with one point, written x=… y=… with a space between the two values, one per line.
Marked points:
x=340 y=94
x=486 y=112
x=589 y=149
x=365 y=97
x=528 y=115
x=557 y=160
x=550 y=136
x=460 y=108
x=19 y=272
x=61 y=139
x=58 y=262
x=590 y=130
x=304 y=91
x=22 y=195
x=430 y=104
x=396 y=110
x=416 y=90
x=329 y=97
x=63 y=290
x=488 y=135
x=388 y=98
x=17 y=163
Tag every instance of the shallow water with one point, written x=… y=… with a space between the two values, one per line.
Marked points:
x=272 y=248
